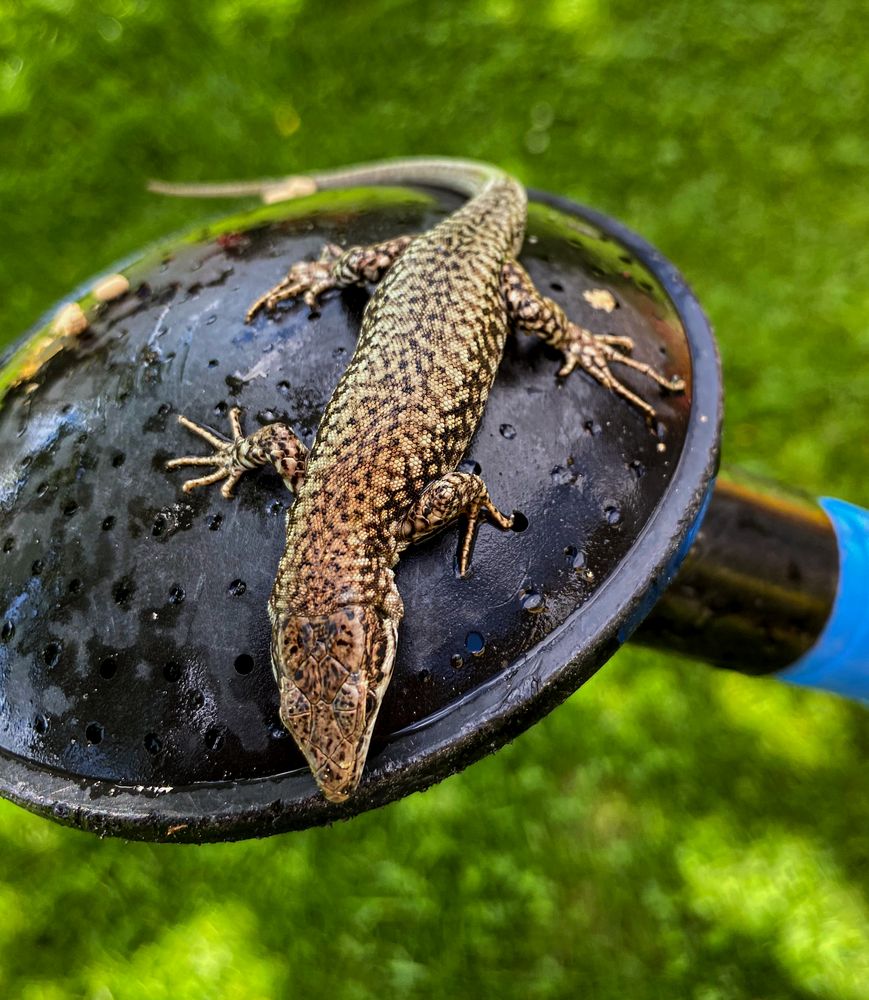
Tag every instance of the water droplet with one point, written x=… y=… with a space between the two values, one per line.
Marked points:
x=9 y=544
x=212 y=319
x=592 y=427
x=270 y=416
x=7 y=632
x=221 y=408
x=563 y=476
x=457 y=661
x=176 y=595
x=613 y=514
x=40 y=724
x=578 y=560
x=70 y=507
x=475 y=643
x=37 y=567
x=213 y=363
x=507 y=431
x=469 y=465
x=214 y=521
x=172 y=671
x=118 y=459
x=637 y=467
x=532 y=601
x=108 y=522
x=153 y=743
x=94 y=733
x=237 y=588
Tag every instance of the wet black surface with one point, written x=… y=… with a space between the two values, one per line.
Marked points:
x=133 y=630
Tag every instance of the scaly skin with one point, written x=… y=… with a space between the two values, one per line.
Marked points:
x=381 y=472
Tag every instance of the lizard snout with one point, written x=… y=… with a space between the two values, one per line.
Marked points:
x=332 y=671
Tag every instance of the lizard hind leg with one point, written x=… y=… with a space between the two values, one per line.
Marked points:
x=335 y=268
x=592 y=352
x=455 y=495
x=275 y=444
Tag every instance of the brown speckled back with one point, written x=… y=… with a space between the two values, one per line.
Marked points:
x=407 y=406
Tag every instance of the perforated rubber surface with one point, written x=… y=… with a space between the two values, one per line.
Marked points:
x=133 y=627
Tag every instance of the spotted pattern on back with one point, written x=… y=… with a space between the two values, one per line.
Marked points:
x=406 y=407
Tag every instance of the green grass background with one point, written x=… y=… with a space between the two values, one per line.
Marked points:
x=670 y=831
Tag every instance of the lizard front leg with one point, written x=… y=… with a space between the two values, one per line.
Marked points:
x=275 y=444
x=336 y=268
x=593 y=352
x=455 y=495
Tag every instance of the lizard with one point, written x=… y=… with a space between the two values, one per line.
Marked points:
x=382 y=472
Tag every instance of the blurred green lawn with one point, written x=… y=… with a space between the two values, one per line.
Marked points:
x=669 y=832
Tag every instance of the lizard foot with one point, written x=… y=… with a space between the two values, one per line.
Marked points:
x=307 y=278
x=225 y=459
x=455 y=495
x=274 y=444
x=594 y=353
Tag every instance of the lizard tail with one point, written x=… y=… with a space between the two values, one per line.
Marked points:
x=467 y=177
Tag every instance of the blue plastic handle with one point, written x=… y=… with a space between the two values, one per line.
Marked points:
x=839 y=660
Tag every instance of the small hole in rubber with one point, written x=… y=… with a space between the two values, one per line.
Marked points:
x=51 y=654
x=244 y=664
x=108 y=668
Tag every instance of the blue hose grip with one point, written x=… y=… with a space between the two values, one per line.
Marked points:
x=839 y=660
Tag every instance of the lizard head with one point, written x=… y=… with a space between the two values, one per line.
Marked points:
x=332 y=671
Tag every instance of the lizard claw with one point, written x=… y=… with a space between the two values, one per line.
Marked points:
x=225 y=458
x=594 y=353
x=309 y=279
